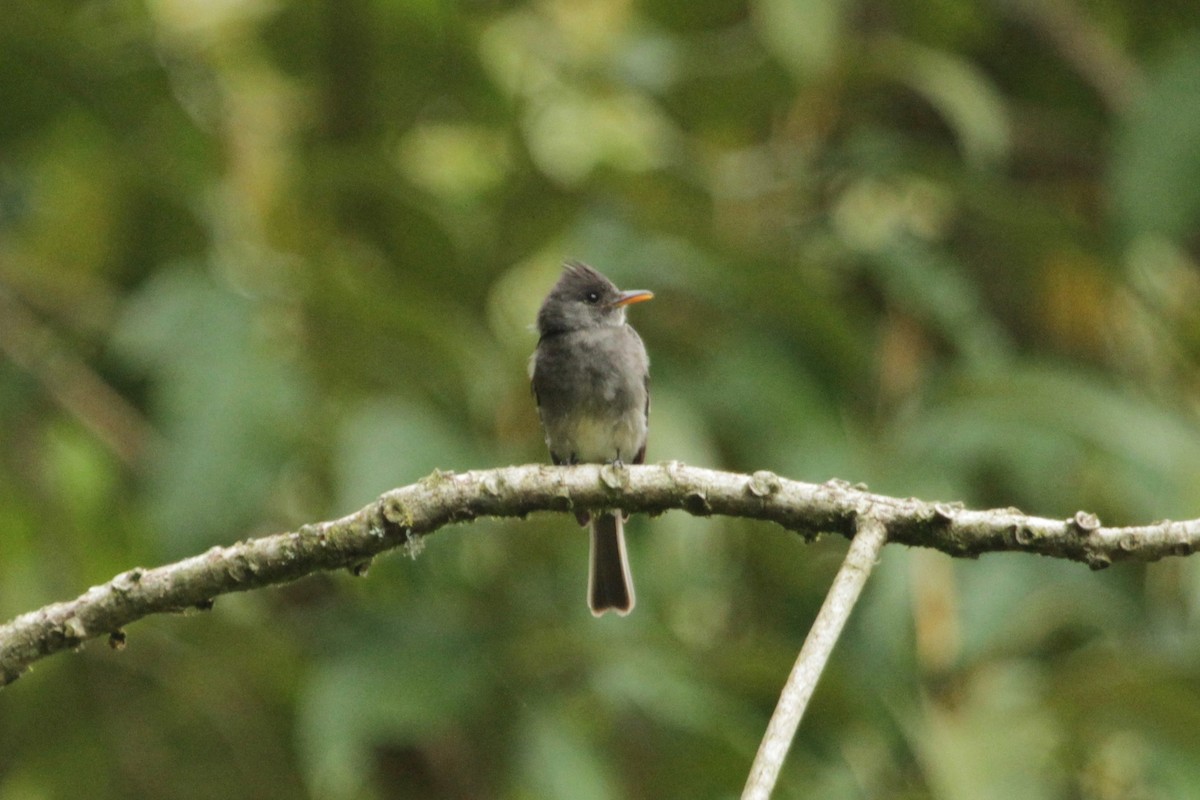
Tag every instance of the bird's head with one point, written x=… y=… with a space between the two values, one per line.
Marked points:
x=584 y=298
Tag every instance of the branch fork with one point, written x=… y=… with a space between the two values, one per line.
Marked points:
x=401 y=518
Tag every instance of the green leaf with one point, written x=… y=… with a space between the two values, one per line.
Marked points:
x=557 y=761
x=963 y=94
x=803 y=34
x=1156 y=157
x=228 y=404
x=385 y=444
x=393 y=684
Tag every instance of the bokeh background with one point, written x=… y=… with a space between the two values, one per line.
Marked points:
x=262 y=260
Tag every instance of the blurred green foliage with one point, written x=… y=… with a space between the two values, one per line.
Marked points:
x=260 y=261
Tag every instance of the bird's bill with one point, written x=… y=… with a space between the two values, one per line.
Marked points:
x=634 y=296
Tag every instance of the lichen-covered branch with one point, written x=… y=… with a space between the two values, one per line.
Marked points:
x=400 y=517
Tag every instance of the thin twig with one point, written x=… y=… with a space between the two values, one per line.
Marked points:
x=1083 y=44
x=826 y=628
x=71 y=383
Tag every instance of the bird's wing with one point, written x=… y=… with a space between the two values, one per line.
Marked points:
x=640 y=458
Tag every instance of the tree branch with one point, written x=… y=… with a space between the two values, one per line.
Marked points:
x=818 y=645
x=400 y=517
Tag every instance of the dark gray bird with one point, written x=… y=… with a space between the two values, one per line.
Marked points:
x=591 y=379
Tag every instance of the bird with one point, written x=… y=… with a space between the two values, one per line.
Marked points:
x=590 y=376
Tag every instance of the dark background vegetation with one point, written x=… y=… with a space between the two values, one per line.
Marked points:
x=260 y=261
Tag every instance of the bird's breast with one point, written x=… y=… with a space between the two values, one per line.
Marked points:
x=591 y=389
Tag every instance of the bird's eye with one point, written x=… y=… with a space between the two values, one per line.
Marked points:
x=592 y=297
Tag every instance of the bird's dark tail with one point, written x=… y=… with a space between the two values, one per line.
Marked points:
x=610 y=585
